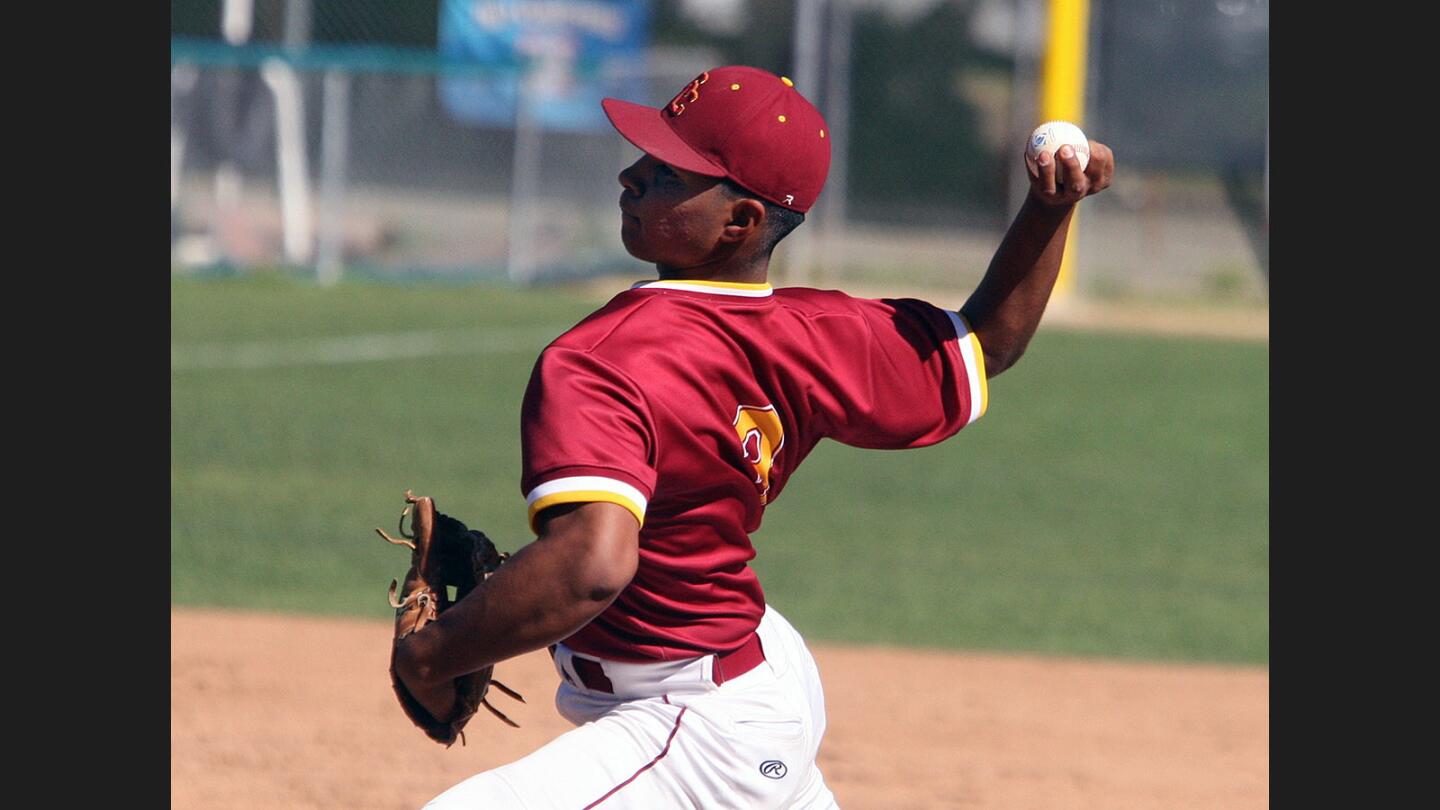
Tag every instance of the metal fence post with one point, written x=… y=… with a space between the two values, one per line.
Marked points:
x=334 y=159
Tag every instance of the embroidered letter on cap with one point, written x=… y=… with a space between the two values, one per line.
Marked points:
x=692 y=90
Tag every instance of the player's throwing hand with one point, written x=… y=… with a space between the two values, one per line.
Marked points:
x=1059 y=180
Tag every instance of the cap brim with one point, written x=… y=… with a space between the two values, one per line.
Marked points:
x=646 y=128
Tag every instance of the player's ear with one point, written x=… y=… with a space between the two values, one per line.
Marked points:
x=746 y=217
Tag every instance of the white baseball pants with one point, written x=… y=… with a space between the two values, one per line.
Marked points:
x=670 y=738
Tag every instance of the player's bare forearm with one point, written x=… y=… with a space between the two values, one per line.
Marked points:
x=1006 y=307
x=585 y=555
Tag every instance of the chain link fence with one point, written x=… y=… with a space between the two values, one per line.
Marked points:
x=333 y=138
x=363 y=170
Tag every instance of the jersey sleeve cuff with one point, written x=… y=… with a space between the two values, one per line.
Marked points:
x=974 y=359
x=585 y=489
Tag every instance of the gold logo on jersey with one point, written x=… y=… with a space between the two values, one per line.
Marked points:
x=761 y=437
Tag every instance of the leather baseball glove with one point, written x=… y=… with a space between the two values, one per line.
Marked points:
x=444 y=554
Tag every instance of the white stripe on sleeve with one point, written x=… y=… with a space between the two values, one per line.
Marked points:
x=973 y=368
x=587 y=483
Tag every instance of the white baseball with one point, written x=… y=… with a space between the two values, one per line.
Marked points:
x=1050 y=136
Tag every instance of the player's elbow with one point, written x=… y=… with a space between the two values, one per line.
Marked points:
x=1002 y=339
x=1001 y=347
x=608 y=575
x=610 y=560
x=1002 y=359
x=602 y=543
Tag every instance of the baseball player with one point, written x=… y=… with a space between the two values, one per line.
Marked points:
x=657 y=430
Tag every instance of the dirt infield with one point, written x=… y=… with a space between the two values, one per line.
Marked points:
x=289 y=713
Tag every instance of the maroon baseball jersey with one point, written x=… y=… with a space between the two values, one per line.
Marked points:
x=691 y=403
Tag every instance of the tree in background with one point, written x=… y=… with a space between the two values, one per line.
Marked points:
x=915 y=140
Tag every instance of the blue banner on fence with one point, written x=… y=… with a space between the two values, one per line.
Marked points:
x=567 y=48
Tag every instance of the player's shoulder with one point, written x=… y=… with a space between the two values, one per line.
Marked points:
x=594 y=329
x=842 y=317
x=627 y=328
x=812 y=301
x=813 y=297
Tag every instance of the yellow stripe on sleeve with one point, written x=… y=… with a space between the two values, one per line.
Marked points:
x=583 y=496
x=974 y=357
x=984 y=378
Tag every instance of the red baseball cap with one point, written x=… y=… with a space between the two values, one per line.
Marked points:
x=738 y=122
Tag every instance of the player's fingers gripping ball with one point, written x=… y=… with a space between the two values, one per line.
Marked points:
x=1049 y=137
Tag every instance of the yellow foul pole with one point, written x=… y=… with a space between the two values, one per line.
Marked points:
x=1062 y=94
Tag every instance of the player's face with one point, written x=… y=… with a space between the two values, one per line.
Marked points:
x=669 y=216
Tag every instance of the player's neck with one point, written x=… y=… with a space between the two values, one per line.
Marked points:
x=755 y=270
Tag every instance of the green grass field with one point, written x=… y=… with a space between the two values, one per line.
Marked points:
x=1113 y=502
